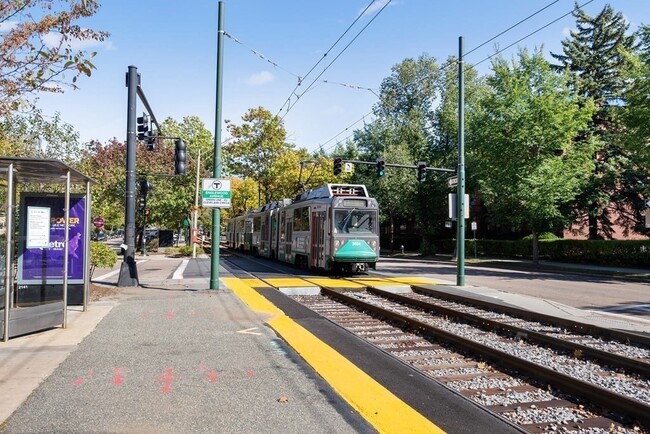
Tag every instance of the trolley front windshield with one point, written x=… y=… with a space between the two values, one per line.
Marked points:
x=355 y=221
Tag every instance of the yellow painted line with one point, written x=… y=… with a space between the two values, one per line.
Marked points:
x=375 y=403
x=334 y=283
x=254 y=283
x=287 y=282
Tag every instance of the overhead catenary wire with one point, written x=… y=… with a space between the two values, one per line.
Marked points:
x=488 y=57
x=301 y=79
x=533 y=32
x=340 y=53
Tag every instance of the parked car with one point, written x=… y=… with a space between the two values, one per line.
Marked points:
x=100 y=236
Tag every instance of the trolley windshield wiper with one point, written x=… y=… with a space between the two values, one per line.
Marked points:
x=344 y=223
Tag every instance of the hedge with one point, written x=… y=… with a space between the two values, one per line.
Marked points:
x=628 y=253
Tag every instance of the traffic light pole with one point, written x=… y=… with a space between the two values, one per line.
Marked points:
x=460 y=197
x=128 y=269
x=216 y=172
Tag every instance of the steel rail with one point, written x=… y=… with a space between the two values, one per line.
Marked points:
x=634 y=365
x=600 y=396
x=575 y=326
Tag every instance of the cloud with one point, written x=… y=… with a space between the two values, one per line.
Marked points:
x=374 y=7
x=567 y=31
x=7 y=26
x=53 y=39
x=260 y=79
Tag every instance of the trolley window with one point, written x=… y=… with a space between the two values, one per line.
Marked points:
x=301 y=219
x=355 y=221
x=257 y=224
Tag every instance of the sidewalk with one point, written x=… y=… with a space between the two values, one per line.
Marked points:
x=161 y=360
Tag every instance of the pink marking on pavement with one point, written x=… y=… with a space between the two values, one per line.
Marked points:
x=170 y=314
x=167 y=380
x=78 y=381
x=91 y=372
x=194 y=314
x=118 y=378
x=212 y=376
x=250 y=374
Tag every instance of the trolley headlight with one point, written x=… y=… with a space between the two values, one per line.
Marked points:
x=373 y=244
x=337 y=244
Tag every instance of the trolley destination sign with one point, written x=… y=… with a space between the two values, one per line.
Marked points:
x=216 y=193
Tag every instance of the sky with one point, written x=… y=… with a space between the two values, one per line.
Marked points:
x=269 y=44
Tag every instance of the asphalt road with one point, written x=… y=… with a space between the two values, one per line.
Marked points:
x=581 y=289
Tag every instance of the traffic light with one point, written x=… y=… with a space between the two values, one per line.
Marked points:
x=180 y=157
x=151 y=143
x=381 y=168
x=422 y=171
x=143 y=126
x=337 y=166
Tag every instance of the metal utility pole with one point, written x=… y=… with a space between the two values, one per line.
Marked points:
x=195 y=210
x=128 y=270
x=216 y=172
x=460 y=196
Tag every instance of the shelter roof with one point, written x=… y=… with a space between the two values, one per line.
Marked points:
x=42 y=170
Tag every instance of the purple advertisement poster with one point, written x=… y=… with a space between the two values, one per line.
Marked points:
x=41 y=249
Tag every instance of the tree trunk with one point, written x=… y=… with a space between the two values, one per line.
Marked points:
x=593 y=225
x=535 y=247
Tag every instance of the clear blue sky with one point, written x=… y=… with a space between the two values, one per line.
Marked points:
x=173 y=44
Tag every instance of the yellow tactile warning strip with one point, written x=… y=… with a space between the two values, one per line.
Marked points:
x=254 y=283
x=376 y=404
x=373 y=281
x=287 y=282
x=334 y=283
x=417 y=280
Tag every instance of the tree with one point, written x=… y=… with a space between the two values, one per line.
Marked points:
x=595 y=55
x=527 y=161
x=38 y=48
x=401 y=134
x=32 y=135
x=257 y=144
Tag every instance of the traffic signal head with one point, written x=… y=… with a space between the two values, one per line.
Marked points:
x=338 y=162
x=180 y=166
x=151 y=143
x=143 y=126
x=145 y=186
x=381 y=168
x=422 y=171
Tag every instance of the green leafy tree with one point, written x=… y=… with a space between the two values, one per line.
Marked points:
x=257 y=144
x=400 y=134
x=528 y=163
x=38 y=48
x=33 y=135
x=634 y=116
x=596 y=57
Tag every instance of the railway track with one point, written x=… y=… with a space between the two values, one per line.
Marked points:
x=540 y=373
x=527 y=380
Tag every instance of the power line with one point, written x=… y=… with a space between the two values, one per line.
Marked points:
x=487 y=58
x=532 y=33
x=258 y=54
x=342 y=51
x=300 y=80
x=511 y=27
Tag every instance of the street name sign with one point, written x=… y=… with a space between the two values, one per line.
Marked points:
x=216 y=193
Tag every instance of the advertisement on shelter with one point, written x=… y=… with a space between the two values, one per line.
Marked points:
x=42 y=236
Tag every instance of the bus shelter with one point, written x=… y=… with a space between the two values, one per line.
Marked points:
x=44 y=244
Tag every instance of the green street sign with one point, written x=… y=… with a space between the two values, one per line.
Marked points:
x=216 y=193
